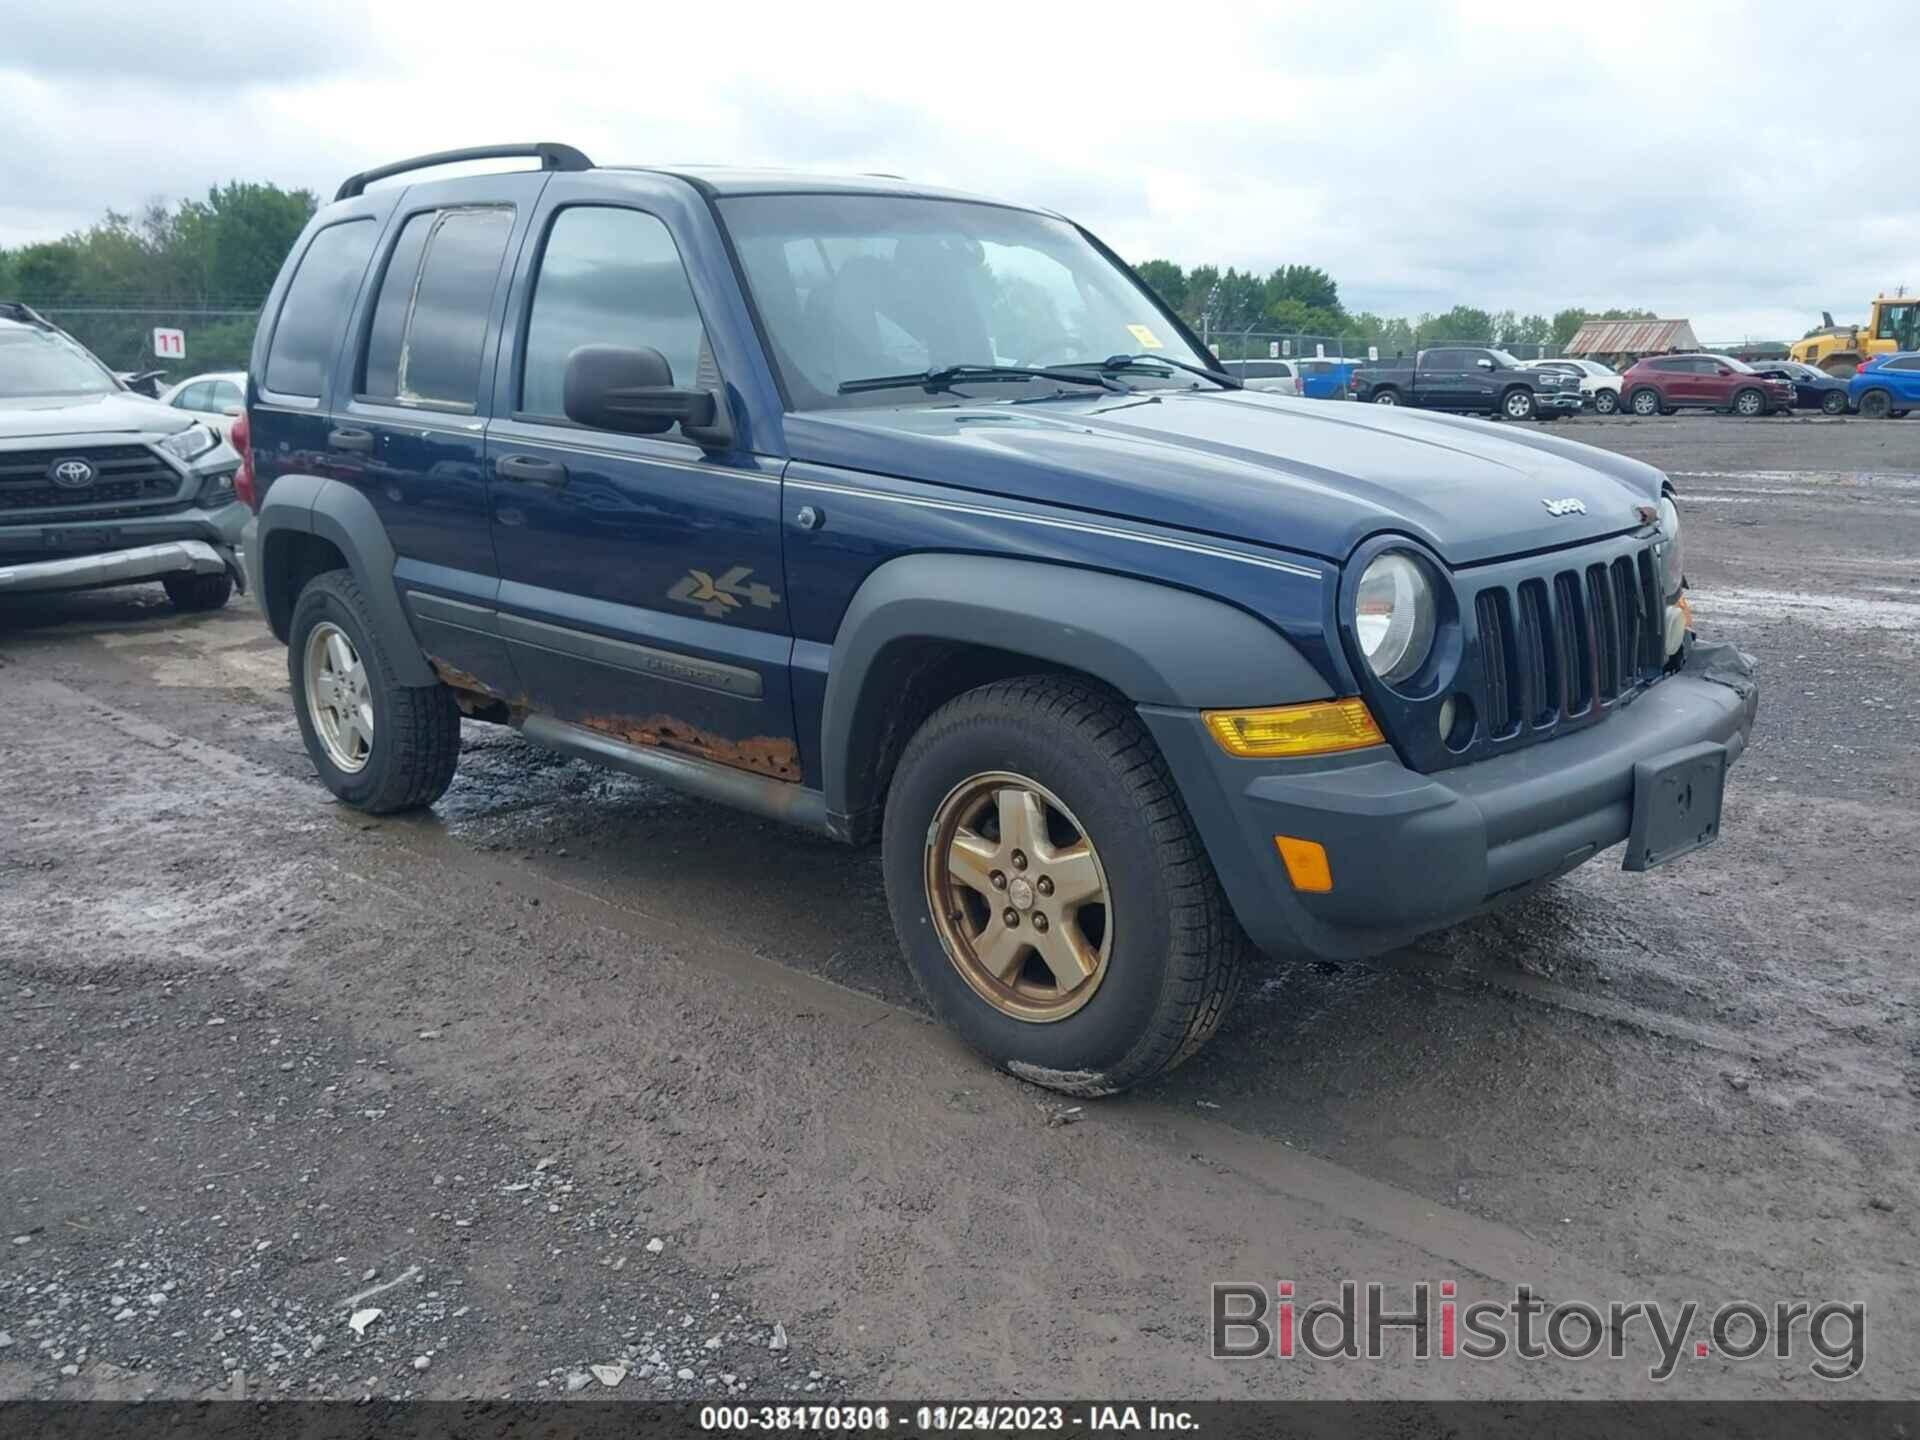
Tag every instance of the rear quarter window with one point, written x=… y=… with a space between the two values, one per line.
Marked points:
x=429 y=328
x=307 y=335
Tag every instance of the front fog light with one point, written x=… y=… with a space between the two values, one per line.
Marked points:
x=217 y=489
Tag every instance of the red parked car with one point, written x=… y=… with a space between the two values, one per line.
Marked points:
x=1667 y=383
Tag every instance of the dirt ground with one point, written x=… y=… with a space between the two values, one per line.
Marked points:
x=574 y=1072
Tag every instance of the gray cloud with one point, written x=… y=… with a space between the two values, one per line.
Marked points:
x=1424 y=154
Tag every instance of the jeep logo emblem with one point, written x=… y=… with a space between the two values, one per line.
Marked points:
x=1568 y=506
x=70 y=474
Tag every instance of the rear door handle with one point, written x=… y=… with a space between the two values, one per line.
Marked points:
x=525 y=470
x=359 y=441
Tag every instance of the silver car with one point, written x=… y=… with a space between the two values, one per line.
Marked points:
x=215 y=398
x=1276 y=377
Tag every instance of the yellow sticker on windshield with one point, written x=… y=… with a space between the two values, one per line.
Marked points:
x=1148 y=340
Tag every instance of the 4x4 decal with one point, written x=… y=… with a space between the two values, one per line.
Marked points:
x=719 y=598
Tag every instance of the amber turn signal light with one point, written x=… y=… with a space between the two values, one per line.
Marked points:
x=1320 y=727
x=1306 y=862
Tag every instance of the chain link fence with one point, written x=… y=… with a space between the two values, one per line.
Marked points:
x=120 y=332
x=219 y=337
x=1286 y=345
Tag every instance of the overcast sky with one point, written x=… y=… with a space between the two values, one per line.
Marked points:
x=1738 y=163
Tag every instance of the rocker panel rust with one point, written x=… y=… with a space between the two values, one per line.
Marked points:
x=761 y=754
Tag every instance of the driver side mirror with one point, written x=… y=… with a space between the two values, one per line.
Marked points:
x=611 y=387
x=1484 y=363
x=1722 y=370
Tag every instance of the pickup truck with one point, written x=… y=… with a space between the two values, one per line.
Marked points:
x=1469 y=378
x=801 y=494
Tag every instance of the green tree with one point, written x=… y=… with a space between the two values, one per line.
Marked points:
x=1306 y=285
x=1297 y=318
x=1168 y=281
x=1461 y=323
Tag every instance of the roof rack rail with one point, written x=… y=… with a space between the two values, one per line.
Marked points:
x=550 y=155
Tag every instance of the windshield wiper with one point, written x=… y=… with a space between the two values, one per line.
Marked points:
x=946 y=377
x=1115 y=363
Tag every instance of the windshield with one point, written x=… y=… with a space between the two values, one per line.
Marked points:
x=36 y=363
x=850 y=287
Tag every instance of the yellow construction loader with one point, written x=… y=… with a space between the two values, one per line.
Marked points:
x=1894 y=324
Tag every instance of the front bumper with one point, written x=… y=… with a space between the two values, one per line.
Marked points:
x=1557 y=402
x=81 y=555
x=1410 y=852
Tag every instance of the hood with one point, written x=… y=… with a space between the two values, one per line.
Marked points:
x=70 y=416
x=1312 y=476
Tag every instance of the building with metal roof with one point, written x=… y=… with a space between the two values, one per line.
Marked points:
x=1625 y=341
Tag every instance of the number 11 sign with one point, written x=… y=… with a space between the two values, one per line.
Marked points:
x=169 y=344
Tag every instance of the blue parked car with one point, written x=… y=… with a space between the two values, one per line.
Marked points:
x=1887 y=385
x=915 y=519
x=1326 y=379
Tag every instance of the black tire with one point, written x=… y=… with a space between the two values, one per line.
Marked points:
x=1386 y=395
x=1517 y=404
x=416 y=728
x=1899 y=414
x=193 y=593
x=1750 y=403
x=1178 y=953
x=1606 y=402
x=1646 y=402
x=1876 y=404
x=1834 y=402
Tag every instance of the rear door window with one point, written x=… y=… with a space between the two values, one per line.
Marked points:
x=426 y=342
x=307 y=336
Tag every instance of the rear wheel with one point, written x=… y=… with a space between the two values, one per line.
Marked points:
x=1386 y=397
x=1646 y=402
x=199 y=592
x=1750 y=403
x=1834 y=402
x=1606 y=402
x=1876 y=404
x=1517 y=404
x=380 y=745
x=1050 y=890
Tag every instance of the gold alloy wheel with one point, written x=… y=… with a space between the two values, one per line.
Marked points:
x=1018 y=896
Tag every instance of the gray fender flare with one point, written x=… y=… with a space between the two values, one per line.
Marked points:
x=1154 y=644
x=337 y=512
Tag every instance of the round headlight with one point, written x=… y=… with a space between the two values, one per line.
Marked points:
x=1671 y=568
x=1394 y=616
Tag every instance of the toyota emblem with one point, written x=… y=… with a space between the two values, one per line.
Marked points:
x=70 y=474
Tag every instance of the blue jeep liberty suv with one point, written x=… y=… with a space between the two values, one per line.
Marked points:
x=908 y=516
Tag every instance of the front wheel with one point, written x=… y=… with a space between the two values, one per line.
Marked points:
x=378 y=744
x=1518 y=405
x=1834 y=402
x=1749 y=403
x=1050 y=890
x=1606 y=402
x=1646 y=402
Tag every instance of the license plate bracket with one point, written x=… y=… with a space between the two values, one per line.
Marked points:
x=1676 y=804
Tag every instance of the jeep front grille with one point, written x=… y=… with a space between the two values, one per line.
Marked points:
x=1555 y=647
x=123 y=475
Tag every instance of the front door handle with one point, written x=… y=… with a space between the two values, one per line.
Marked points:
x=525 y=470
x=358 y=441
